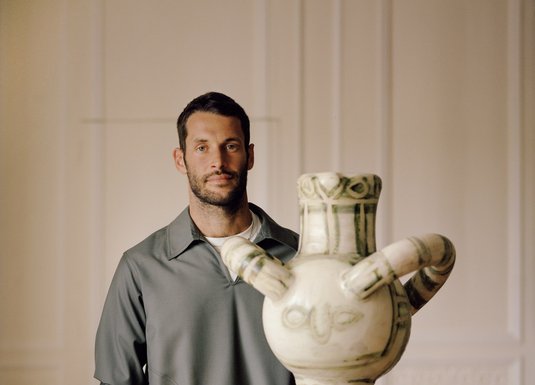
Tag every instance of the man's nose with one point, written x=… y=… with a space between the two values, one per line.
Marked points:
x=218 y=159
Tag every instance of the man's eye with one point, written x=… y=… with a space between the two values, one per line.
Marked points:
x=232 y=147
x=200 y=148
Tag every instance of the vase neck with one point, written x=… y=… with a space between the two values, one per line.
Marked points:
x=338 y=214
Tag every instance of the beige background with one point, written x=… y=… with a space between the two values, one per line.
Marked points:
x=435 y=96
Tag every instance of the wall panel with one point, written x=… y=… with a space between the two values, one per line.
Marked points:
x=29 y=376
x=361 y=72
x=450 y=117
x=143 y=191
x=285 y=103
x=157 y=57
x=319 y=58
x=32 y=177
x=494 y=373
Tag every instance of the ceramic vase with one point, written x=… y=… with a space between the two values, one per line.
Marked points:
x=337 y=312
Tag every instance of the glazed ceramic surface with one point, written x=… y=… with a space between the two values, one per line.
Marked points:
x=337 y=313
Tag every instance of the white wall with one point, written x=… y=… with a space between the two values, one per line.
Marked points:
x=436 y=97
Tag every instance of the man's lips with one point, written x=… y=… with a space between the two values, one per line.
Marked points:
x=219 y=178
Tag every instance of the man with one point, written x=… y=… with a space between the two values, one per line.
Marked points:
x=174 y=314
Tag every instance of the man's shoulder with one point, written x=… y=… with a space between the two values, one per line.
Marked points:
x=157 y=244
x=154 y=245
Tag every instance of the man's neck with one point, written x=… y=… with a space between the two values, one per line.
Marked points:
x=216 y=221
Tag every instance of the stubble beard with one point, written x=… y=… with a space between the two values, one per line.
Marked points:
x=229 y=202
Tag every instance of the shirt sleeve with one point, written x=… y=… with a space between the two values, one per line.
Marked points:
x=120 y=346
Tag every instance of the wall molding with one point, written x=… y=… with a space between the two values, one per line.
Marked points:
x=97 y=154
x=336 y=91
x=300 y=77
x=260 y=52
x=384 y=117
x=514 y=168
x=491 y=372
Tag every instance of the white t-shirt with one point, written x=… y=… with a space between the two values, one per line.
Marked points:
x=250 y=233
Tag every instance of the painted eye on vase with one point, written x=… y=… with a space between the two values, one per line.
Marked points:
x=295 y=316
x=344 y=318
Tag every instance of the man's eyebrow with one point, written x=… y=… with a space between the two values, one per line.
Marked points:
x=233 y=139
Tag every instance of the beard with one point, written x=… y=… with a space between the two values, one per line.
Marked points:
x=230 y=201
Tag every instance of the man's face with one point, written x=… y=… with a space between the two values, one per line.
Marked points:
x=215 y=160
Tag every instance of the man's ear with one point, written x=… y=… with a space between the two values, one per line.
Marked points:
x=250 y=157
x=180 y=163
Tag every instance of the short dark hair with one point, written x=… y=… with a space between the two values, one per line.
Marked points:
x=217 y=103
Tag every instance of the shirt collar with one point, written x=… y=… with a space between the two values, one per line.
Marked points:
x=182 y=232
x=271 y=230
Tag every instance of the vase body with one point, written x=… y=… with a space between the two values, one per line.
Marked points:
x=320 y=330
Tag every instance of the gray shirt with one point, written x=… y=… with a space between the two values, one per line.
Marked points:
x=173 y=307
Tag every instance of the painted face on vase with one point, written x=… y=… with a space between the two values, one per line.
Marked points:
x=215 y=160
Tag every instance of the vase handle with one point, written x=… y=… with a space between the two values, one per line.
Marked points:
x=255 y=266
x=432 y=256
